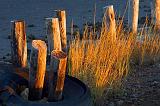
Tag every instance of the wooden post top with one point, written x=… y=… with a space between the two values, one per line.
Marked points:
x=59 y=10
x=13 y=21
x=39 y=44
x=18 y=43
x=55 y=20
x=58 y=54
x=111 y=6
x=108 y=9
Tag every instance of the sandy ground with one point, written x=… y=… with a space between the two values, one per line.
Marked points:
x=34 y=13
x=141 y=88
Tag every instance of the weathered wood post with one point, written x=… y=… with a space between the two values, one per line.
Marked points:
x=58 y=62
x=110 y=21
x=53 y=34
x=133 y=15
x=18 y=44
x=37 y=69
x=49 y=33
x=61 y=14
x=94 y=19
x=54 y=42
x=129 y=13
x=72 y=29
x=152 y=6
x=157 y=13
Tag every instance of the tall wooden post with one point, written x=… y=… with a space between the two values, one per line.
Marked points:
x=94 y=20
x=157 y=12
x=72 y=30
x=18 y=44
x=152 y=6
x=129 y=13
x=133 y=12
x=135 y=16
x=53 y=34
x=49 y=33
x=110 y=21
x=58 y=62
x=61 y=14
x=37 y=69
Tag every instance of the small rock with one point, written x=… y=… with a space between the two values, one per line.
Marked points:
x=154 y=83
x=158 y=65
x=111 y=104
x=3 y=57
x=25 y=93
x=8 y=54
x=44 y=100
x=120 y=103
x=9 y=37
x=75 y=26
x=134 y=96
x=31 y=25
x=125 y=94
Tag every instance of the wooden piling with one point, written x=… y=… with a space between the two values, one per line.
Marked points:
x=152 y=6
x=157 y=13
x=49 y=33
x=53 y=34
x=59 y=61
x=18 y=44
x=37 y=69
x=110 y=21
x=135 y=11
x=94 y=20
x=72 y=30
x=61 y=14
x=129 y=13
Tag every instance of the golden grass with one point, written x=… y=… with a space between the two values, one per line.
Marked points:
x=103 y=63
x=147 y=48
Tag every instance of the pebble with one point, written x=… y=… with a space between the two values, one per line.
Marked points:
x=25 y=93
x=134 y=96
x=158 y=65
x=120 y=103
x=111 y=104
x=154 y=83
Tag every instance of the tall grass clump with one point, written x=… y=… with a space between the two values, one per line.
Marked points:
x=99 y=61
x=103 y=63
x=147 y=47
x=147 y=51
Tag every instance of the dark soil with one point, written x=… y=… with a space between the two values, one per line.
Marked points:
x=141 y=88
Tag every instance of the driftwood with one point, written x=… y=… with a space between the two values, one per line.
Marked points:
x=110 y=21
x=18 y=44
x=58 y=62
x=157 y=13
x=61 y=14
x=53 y=34
x=37 y=69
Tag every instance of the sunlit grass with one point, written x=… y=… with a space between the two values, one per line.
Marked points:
x=147 y=48
x=103 y=63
